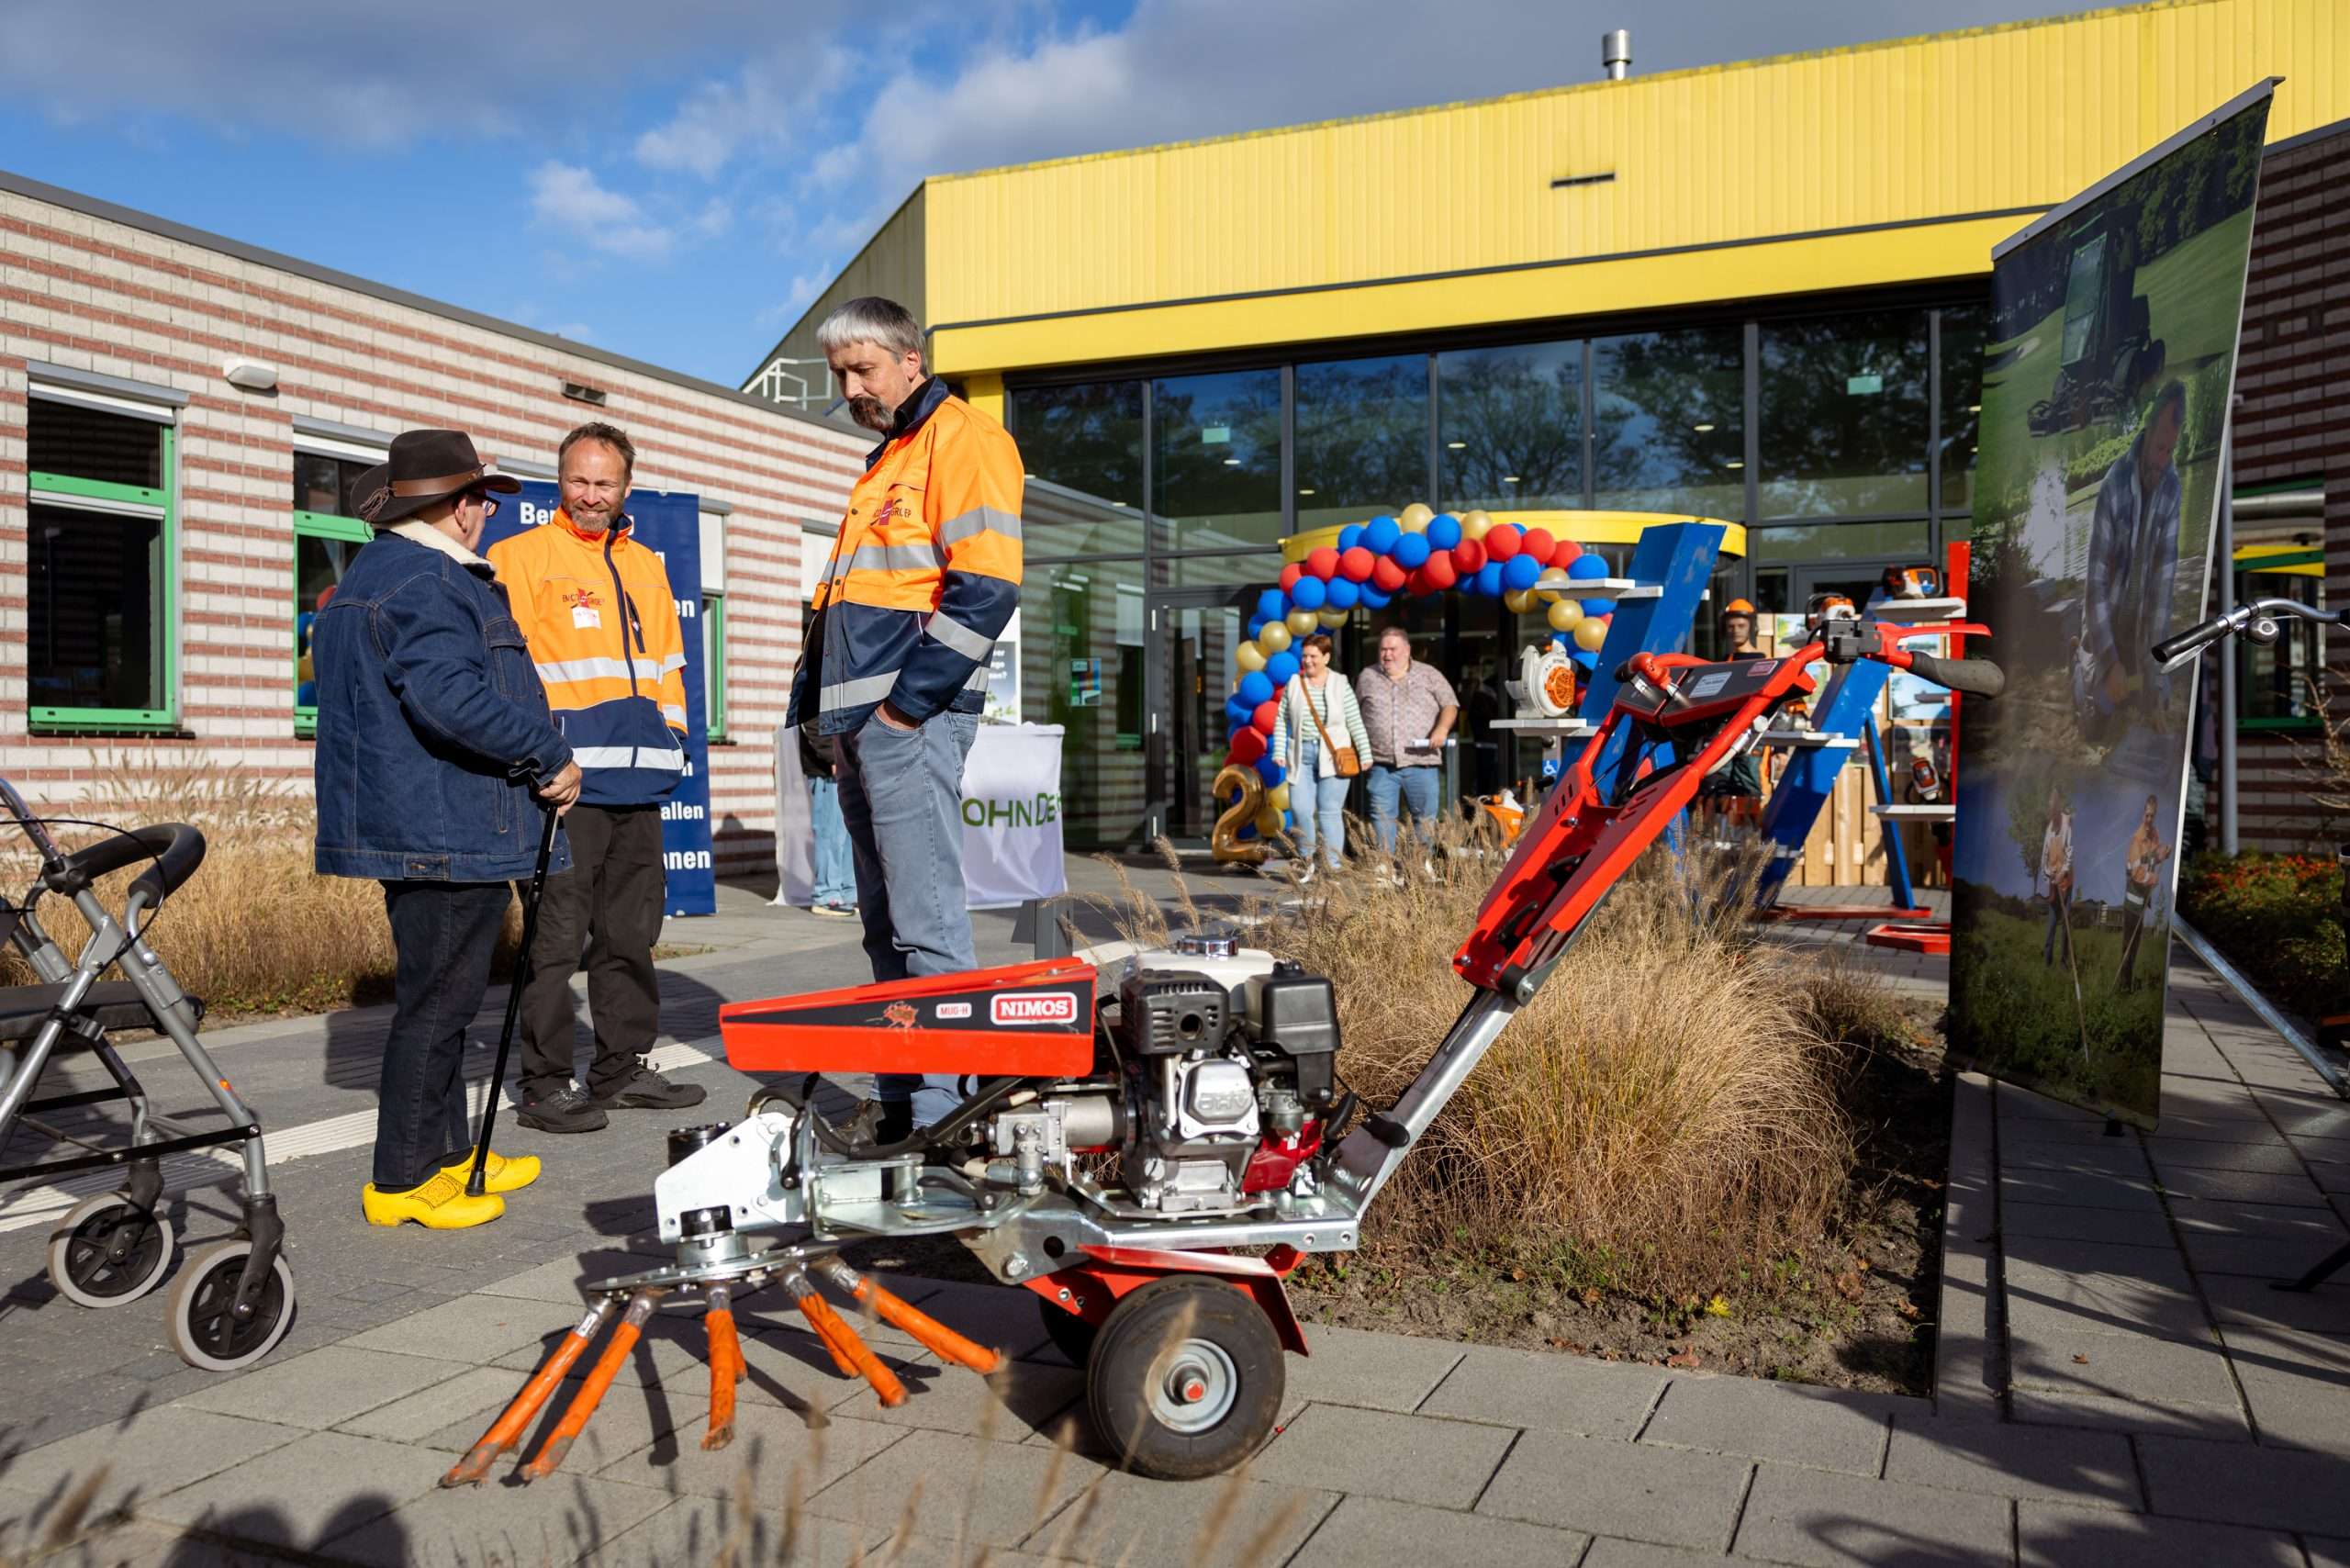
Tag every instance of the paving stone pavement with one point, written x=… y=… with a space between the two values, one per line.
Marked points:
x=2117 y=1383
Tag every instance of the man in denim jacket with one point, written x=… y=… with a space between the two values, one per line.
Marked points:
x=433 y=737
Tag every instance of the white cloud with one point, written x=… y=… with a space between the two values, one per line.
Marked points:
x=568 y=197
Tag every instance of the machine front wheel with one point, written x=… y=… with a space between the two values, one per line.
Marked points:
x=1184 y=1379
x=107 y=1251
x=206 y=1330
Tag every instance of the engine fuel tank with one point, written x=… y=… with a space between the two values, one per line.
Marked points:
x=1032 y=1020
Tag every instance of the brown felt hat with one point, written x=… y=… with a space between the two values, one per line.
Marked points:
x=425 y=467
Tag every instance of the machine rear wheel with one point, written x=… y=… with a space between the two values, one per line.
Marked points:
x=107 y=1251
x=1185 y=1379
x=204 y=1330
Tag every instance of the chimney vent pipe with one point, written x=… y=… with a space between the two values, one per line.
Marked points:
x=1616 y=52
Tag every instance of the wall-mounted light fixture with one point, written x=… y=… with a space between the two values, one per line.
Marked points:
x=250 y=375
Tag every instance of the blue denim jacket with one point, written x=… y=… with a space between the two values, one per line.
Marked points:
x=433 y=727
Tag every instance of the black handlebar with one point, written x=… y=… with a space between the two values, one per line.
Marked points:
x=2259 y=618
x=1975 y=678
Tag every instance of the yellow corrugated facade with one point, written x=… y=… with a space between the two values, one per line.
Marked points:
x=1862 y=167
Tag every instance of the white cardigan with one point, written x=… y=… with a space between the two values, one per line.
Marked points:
x=1294 y=720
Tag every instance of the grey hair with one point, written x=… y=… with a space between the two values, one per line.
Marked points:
x=871 y=319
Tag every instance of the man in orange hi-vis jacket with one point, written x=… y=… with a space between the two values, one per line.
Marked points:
x=922 y=579
x=602 y=626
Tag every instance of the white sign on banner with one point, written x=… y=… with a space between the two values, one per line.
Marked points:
x=1012 y=818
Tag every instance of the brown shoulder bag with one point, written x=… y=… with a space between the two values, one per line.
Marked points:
x=1342 y=757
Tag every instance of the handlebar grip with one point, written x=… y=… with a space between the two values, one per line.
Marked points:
x=1976 y=677
x=2171 y=649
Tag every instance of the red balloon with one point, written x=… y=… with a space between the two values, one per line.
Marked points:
x=1322 y=562
x=1440 y=573
x=1290 y=574
x=1387 y=576
x=1564 y=551
x=1247 y=745
x=1267 y=711
x=1356 y=565
x=1539 y=543
x=1468 y=557
x=1502 y=541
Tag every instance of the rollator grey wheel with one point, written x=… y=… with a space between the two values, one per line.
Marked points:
x=204 y=1330
x=107 y=1251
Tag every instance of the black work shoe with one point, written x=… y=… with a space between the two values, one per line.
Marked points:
x=645 y=1090
x=566 y=1110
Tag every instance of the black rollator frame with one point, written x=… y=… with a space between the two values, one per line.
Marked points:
x=476 y=1178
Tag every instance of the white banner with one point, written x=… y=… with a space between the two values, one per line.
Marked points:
x=1012 y=818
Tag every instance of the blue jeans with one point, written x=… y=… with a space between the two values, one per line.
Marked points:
x=1417 y=786
x=901 y=795
x=1320 y=806
x=836 y=872
x=443 y=935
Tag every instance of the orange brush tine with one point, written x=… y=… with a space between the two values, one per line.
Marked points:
x=591 y=1392
x=726 y=1369
x=942 y=1340
x=507 y=1430
x=842 y=1341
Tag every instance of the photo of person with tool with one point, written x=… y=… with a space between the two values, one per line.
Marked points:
x=602 y=625
x=2141 y=862
x=2056 y=865
x=435 y=754
x=924 y=577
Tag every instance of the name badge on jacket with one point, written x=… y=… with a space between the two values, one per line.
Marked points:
x=587 y=617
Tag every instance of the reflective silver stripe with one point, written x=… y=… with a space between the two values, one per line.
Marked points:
x=852 y=693
x=959 y=637
x=583 y=669
x=980 y=519
x=666 y=759
x=672 y=713
x=675 y=661
x=978 y=682
x=892 y=558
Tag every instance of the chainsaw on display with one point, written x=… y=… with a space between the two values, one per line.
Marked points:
x=1150 y=1141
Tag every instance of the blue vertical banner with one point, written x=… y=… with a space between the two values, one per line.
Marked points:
x=669 y=524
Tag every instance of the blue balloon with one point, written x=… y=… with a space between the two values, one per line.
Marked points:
x=1237 y=713
x=1489 y=579
x=1254 y=688
x=1269 y=770
x=1343 y=593
x=1349 y=536
x=1588 y=565
x=1270 y=604
x=1380 y=534
x=1258 y=623
x=1310 y=593
x=1372 y=598
x=1411 y=551
x=1586 y=659
x=1598 y=605
x=1519 y=573
x=1282 y=669
x=1247 y=830
x=1443 y=531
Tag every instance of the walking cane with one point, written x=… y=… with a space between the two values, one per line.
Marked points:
x=513 y=1004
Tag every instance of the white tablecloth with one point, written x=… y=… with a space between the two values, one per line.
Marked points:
x=1012 y=818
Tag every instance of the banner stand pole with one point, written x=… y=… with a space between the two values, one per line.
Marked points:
x=2223 y=556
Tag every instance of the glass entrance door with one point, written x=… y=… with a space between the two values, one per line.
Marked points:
x=1192 y=635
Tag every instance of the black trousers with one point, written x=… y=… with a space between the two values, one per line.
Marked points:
x=443 y=934
x=607 y=904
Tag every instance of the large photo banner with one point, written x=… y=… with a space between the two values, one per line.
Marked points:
x=670 y=526
x=2106 y=388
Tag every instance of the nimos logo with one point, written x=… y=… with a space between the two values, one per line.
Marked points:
x=1034 y=1007
x=1021 y=810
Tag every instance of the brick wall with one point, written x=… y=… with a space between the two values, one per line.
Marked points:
x=2294 y=426
x=107 y=292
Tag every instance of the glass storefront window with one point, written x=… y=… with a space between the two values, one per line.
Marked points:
x=1217 y=460
x=1961 y=398
x=1081 y=667
x=1904 y=541
x=1843 y=415
x=1362 y=439
x=1257 y=568
x=1082 y=448
x=1668 y=423
x=1509 y=428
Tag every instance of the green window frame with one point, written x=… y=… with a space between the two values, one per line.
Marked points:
x=313 y=525
x=139 y=500
x=713 y=663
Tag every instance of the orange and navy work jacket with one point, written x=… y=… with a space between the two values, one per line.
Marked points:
x=924 y=575
x=603 y=631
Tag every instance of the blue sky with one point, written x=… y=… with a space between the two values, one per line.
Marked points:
x=674 y=180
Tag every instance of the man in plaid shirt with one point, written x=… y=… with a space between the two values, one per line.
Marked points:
x=1409 y=709
x=2134 y=554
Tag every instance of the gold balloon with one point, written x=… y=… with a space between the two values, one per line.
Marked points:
x=1519 y=600
x=1250 y=656
x=1414 y=517
x=1278 y=796
x=1590 y=633
x=1244 y=791
x=1275 y=637
x=1268 y=821
x=1334 y=618
x=1473 y=525
x=1566 y=614
x=1304 y=622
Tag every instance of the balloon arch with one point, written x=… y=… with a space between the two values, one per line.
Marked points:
x=1419 y=552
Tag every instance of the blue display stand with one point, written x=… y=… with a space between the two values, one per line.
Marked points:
x=1670 y=566
x=1844 y=710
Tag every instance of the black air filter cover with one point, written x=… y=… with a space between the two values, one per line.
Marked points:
x=1164 y=1012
